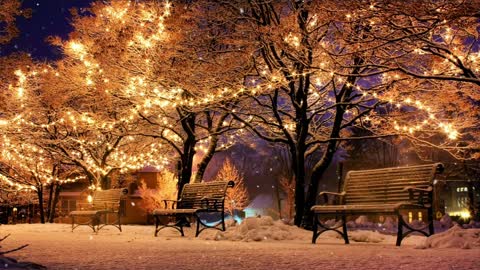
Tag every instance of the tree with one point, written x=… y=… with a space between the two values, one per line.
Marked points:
x=9 y=11
x=321 y=68
x=26 y=163
x=26 y=166
x=140 y=81
x=142 y=59
x=237 y=197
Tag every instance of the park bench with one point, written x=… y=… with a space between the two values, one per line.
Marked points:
x=195 y=199
x=386 y=191
x=104 y=202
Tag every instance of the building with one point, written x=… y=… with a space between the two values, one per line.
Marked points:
x=460 y=197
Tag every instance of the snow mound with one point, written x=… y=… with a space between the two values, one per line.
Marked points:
x=446 y=220
x=363 y=222
x=366 y=236
x=358 y=236
x=455 y=237
x=258 y=229
x=471 y=225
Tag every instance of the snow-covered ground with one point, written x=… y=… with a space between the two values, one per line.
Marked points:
x=258 y=243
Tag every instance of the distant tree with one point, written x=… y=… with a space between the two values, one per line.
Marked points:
x=237 y=198
x=26 y=166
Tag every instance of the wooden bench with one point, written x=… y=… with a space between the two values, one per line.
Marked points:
x=104 y=202
x=195 y=199
x=382 y=191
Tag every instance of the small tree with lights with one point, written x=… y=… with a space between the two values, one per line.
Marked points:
x=237 y=198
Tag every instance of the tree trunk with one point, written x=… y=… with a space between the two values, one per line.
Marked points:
x=298 y=166
x=202 y=166
x=317 y=174
x=105 y=182
x=50 y=198
x=321 y=166
x=188 y=125
x=53 y=206
x=40 y=203
x=277 y=195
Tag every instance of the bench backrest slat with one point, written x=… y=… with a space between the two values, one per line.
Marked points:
x=109 y=198
x=387 y=185
x=193 y=194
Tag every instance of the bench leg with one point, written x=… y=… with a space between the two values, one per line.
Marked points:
x=344 y=227
x=223 y=221
x=400 y=235
x=409 y=229
x=95 y=220
x=157 y=222
x=73 y=223
x=431 y=228
x=317 y=223
x=181 y=229
x=219 y=225
x=197 y=232
x=119 y=222
x=315 y=229
x=179 y=224
x=91 y=223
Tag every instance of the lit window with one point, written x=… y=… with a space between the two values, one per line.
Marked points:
x=410 y=217
x=420 y=216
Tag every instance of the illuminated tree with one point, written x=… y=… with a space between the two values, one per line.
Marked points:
x=142 y=83
x=237 y=197
x=143 y=59
x=9 y=11
x=76 y=123
x=322 y=68
x=27 y=167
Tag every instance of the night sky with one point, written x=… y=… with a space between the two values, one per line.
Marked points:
x=49 y=18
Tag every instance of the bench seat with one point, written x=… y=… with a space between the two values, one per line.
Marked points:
x=364 y=208
x=173 y=211
x=89 y=212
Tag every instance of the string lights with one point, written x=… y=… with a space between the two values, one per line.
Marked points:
x=150 y=97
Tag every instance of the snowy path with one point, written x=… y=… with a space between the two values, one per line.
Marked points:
x=56 y=247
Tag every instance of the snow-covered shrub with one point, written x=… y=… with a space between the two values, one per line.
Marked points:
x=166 y=190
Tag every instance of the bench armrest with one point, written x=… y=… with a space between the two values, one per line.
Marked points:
x=85 y=205
x=112 y=205
x=421 y=193
x=213 y=203
x=408 y=188
x=172 y=202
x=328 y=194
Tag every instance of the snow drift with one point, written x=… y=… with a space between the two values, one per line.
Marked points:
x=455 y=237
x=258 y=229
